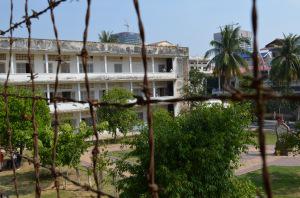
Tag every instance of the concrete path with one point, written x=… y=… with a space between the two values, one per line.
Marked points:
x=251 y=161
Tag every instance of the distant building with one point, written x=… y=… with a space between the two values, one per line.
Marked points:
x=201 y=64
x=109 y=65
x=243 y=34
x=128 y=38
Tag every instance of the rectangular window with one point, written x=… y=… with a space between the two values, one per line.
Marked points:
x=101 y=93
x=118 y=68
x=65 y=68
x=2 y=56
x=84 y=95
x=23 y=68
x=2 y=67
x=66 y=94
x=50 y=68
x=90 y=68
x=162 y=68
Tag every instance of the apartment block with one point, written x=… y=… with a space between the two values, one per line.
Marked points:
x=109 y=66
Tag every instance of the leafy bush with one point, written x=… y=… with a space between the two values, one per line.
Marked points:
x=118 y=118
x=195 y=154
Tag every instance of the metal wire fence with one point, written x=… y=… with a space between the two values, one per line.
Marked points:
x=261 y=95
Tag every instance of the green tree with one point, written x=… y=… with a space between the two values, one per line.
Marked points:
x=195 y=154
x=20 y=114
x=118 y=118
x=196 y=85
x=286 y=66
x=227 y=54
x=71 y=144
x=106 y=37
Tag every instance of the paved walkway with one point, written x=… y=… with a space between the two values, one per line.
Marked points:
x=251 y=161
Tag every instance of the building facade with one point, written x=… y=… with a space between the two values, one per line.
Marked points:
x=201 y=64
x=243 y=34
x=109 y=66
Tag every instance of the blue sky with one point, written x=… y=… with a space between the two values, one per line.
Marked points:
x=189 y=23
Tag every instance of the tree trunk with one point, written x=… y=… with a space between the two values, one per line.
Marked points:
x=115 y=136
x=66 y=180
x=219 y=83
x=89 y=178
x=77 y=174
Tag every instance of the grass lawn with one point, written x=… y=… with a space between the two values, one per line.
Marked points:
x=270 y=137
x=26 y=184
x=285 y=181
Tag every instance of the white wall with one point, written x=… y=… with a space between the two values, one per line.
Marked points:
x=117 y=60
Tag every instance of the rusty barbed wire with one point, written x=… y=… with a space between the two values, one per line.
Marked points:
x=33 y=118
x=257 y=83
x=151 y=172
x=84 y=58
x=260 y=97
x=56 y=123
x=34 y=15
x=5 y=95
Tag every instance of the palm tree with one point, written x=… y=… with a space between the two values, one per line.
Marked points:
x=227 y=54
x=106 y=37
x=286 y=66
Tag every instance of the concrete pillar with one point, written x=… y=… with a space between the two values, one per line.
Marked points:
x=12 y=64
x=130 y=64
x=174 y=64
x=131 y=87
x=153 y=64
x=78 y=119
x=106 y=86
x=78 y=91
x=46 y=64
x=48 y=92
x=78 y=64
x=105 y=64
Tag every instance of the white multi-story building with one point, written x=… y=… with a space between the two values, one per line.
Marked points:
x=201 y=64
x=109 y=66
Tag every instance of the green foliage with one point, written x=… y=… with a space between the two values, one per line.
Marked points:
x=70 y=146
x=106 y=37
x=227 y=53
x=286 y=66
x=20 y=114
x=123 y=119
x=195 y=154
x=196 y=85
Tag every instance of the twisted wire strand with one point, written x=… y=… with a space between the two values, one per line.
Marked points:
x=56 y=122
x=33 y=107
x=84 y=58
x=151 y=172
x=35 y=15
x=6 y=102
x=260 y=102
